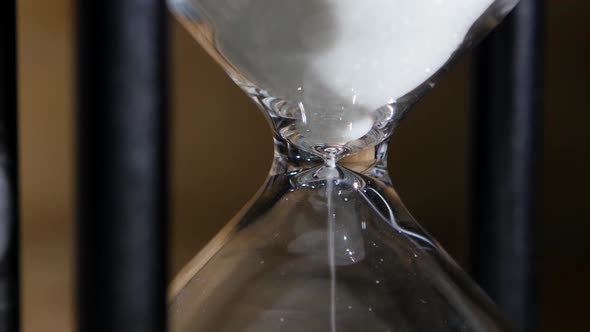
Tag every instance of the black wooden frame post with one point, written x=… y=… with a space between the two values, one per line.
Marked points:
x=507 y=121
x=122 y=156
x=9 y=203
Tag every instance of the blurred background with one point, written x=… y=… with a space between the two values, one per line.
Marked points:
x=222 y=152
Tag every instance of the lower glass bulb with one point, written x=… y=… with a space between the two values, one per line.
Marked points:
x=327 y=250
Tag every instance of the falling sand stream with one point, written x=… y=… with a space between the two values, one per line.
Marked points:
x=331 y=220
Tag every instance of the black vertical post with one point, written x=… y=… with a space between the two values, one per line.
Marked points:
x=507 y=133
x=122 y=130
x=9 y=206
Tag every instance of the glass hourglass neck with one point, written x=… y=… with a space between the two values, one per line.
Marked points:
x=290 y=159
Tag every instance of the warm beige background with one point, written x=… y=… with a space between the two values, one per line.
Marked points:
x=222 y=152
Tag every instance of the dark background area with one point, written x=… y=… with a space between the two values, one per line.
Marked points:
x=222 y=152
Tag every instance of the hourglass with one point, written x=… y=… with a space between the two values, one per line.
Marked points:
x=326 y=244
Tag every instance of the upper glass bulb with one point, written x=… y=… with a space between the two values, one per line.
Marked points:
x=336 y=75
